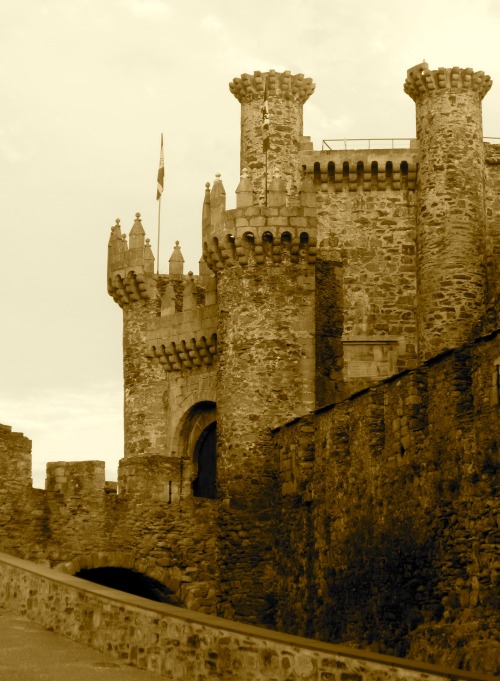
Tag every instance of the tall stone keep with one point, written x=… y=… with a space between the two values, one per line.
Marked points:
x=450 y=217
x=286 y=95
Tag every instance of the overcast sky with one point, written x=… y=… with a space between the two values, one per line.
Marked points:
x=87 y=86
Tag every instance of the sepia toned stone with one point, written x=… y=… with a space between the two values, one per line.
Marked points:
x=311 y=422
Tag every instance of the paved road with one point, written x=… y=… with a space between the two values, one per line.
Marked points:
x=29 y=653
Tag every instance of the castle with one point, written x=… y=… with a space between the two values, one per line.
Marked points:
x=312 y=421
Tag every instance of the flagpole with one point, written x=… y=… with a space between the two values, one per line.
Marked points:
x=265 y=136
x=158 y=240
x=159 y=192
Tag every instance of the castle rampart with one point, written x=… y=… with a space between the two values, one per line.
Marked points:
x=407 y=549
x=399 y=479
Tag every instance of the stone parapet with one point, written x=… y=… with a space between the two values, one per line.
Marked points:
x=179 y=645
x=151 y=478
x=130 y=266
x=421 y=80
x=184 y=336
x=362 y=170
x=75 y=478
x=15 y=459
x=249 y=87
x=258 y=235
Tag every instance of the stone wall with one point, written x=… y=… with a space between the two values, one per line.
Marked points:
x=22 y=520
x=390 y=499
x=366 y=211
x=492 y=196
x=79 y=520
x=167 y=640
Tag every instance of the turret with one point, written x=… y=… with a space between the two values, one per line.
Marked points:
x=286 y=95
x=134 y=286
x=450 y=204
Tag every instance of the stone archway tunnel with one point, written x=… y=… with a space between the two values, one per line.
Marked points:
x=130 y=581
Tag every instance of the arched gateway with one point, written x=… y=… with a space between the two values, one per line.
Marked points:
x=132 y=574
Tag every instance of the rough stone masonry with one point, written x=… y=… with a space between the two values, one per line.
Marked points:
x=312 y=420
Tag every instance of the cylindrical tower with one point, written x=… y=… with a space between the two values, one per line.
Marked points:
x=134 y=286
x=285 y=95
x=265 y=264
x=450 y=204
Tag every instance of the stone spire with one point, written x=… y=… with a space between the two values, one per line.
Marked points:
x=176 y=262
x=136 y=242
x=244 y=191
x=117 y=249
x=217 y=203
x=205 y=215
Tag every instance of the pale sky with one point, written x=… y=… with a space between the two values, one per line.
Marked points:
x=87 y=86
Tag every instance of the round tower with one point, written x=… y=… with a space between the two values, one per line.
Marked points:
x=264 y=259
x=283 y=95
x=450 y=204
x=134 y=286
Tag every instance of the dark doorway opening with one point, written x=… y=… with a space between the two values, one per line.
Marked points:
x=205 y=456
x=131 y=582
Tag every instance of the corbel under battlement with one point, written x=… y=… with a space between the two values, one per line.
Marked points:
x=127 y=287
x=186 y=339
x=185 y=353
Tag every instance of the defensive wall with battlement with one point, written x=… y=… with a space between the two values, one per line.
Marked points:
x=390 y=496
x=353 y=295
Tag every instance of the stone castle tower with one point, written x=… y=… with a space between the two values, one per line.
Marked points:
x=311 y=421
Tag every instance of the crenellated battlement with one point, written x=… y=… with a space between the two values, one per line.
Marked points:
x=249 y=87
x=73 y=479
x=184 y=335
x=264 y=238
x=362 y=170
x=420 y=79
x=252 y=234
x=130 y=265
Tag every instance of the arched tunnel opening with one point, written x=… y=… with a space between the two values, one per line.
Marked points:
x=131 y=582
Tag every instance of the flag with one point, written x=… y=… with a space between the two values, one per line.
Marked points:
x=265 y=122
x=161 y=173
